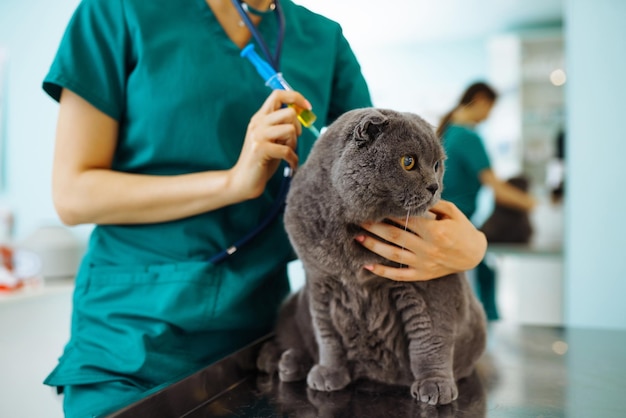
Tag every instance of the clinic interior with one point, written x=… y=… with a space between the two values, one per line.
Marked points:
x=558 y=66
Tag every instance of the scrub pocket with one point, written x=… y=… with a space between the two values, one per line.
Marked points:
x=149 y=323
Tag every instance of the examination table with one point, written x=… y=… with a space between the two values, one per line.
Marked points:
x=527 y=371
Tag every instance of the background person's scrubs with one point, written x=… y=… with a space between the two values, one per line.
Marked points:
x=466 y=158
x=148 y=308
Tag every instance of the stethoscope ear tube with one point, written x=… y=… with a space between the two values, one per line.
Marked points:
x=273 y=59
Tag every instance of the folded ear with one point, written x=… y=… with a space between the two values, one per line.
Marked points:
x=370 y=127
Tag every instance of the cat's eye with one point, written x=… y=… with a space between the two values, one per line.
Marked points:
x=407 y=162
x=436 y=167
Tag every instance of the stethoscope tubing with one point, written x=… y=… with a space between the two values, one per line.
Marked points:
x=279 y=203
x=273 y=59
x=276 y=209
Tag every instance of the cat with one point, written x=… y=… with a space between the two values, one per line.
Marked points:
x=509 y=225
x=346 y=323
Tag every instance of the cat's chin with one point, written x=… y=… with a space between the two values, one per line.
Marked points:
x=421 y=208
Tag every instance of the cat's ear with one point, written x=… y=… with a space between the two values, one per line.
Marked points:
x=369 y=128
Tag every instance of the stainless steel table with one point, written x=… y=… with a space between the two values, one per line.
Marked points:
x=527 y=371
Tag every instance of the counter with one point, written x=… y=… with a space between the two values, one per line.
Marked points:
x=530 y=287
x=527 y=371
x=34 y=328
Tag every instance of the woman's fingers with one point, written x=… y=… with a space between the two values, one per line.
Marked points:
x=404 y=237
x=399 y=274
x=422 y=225
x=389 y=232
x=286 y=117
x=445 y=209
x=275 y=151
x=280 y=127
x=390 y=252
x=272 y=135
x=280 y=98
x=408 y=269
x=443 y=243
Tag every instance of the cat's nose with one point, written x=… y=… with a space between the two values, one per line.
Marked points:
x=432 y=188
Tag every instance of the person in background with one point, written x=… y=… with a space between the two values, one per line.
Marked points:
x=468 y=168
x=169 y=143
x=557 y=166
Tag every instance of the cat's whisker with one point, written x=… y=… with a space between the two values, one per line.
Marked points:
x=406 y=226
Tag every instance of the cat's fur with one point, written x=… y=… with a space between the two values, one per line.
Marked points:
x=346 y=323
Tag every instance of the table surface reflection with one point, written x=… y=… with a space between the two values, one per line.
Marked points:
x=527 y=371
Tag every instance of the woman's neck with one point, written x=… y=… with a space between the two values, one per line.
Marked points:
x=463 y=116
x=230 y=20
x=259 y=4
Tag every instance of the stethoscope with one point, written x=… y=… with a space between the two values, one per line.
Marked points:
x=273 y=59
x=244 y=9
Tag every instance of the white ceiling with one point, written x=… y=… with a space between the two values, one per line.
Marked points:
x=384 y=21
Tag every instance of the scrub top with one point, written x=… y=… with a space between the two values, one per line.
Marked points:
x=466 y=158
x=148 y=307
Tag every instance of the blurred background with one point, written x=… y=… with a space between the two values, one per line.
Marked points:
x=558 y=66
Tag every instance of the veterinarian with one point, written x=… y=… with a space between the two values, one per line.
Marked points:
x=468 y=168
x=169 y=143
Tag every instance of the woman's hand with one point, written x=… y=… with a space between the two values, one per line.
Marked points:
x=271 y=137
x=439 y=243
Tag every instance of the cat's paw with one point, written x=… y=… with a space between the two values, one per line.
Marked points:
x=325 y=379
x=293 y=365
x=267 y=360
x=435 y=390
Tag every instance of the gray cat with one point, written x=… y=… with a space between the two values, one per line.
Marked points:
x=346 y=323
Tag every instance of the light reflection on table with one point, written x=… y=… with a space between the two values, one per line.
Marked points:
x=528 y=371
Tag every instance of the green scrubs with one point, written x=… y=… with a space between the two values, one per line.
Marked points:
x=148 y=307
x=467 y=157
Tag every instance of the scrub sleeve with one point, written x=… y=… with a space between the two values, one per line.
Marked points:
x=467 y=157
x=148 y=309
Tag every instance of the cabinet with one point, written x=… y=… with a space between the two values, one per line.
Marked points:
x=528 y=70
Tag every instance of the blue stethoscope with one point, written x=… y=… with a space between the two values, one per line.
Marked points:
x=243 y=9
x=273 y=59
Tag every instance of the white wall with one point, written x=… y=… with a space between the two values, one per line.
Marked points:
x=425 y=77
x=596 y=150
x=30 y=32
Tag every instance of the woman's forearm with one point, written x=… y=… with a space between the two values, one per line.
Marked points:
x=506 y=194
x=103 y=196
x=510 y=196
x=87 y=190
